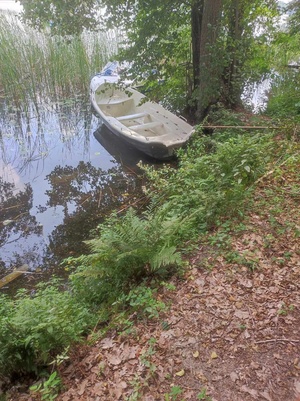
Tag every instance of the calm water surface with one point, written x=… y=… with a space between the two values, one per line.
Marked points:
x=60 y=174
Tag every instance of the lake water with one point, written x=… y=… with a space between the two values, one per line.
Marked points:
x=60 y=175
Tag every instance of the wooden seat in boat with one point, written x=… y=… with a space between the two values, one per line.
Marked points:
x=133 y=116
x=146 y=126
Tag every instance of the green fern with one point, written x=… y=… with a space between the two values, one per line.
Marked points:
x=129 y=249
x=211 y=181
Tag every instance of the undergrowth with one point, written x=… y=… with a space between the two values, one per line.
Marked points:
x=36 y=327
x=127 y=250
x=214 y=178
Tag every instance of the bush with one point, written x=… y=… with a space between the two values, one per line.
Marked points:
x=284 y=99
x=213 y=179
x=33 y=329
x=143 y=301
x=128 y=249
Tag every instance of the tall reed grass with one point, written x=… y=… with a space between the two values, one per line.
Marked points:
x=36 y=65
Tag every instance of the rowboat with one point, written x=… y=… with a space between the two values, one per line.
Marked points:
x=128 y=114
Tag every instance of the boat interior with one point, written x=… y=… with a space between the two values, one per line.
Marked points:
x=130 y=115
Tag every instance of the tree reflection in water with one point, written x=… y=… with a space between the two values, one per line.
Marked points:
x=57 y=182
x=18 y=224
x=87 y=194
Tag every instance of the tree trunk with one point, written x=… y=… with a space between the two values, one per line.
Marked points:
x=206 y=66
x=231 y=86
x=196 y=23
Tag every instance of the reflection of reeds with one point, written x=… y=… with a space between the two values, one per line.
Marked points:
x=30 y=136
x=35 y=65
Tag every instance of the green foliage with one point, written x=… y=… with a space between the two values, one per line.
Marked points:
x=213 y=179
x=284 y=99
x=294 y=16
x=128 y=249
x=285 y=309
x=218 y=115
x=203 y=396
x=48 y=389
x=147 y=354
x=35 y=65
x=143 y=301
x=35 y=328
x=174 y=393
x=56 y=15
x=159 y=38
x=167 y=36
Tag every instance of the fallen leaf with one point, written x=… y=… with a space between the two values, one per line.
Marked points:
x=297 y=386
x=107 y=343
x=129 y=352
x=196 y=354
x=247 y=283
x=213 y=355
x=98 y=389
x=180 y=373
x=241 y=314
x=254 y=365
x=249 y=390
x=247 y=334
x=234 y=376
x=115 y=360
x=82 y=387
x=119 y=389
x=149 y=398
x=266 y=395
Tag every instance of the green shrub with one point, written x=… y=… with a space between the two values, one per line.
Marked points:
x=143 y=301
x=33 y=329
x=284 y=98
x=213 y=179
x=128 y=249
x=48 y=389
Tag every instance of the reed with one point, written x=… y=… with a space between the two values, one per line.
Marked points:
x=36 y=65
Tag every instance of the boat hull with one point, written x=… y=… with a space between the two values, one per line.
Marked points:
x=156 y=150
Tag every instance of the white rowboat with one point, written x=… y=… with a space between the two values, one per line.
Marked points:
x=129 y=115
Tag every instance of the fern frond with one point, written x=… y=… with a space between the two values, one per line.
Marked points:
x=167 y=256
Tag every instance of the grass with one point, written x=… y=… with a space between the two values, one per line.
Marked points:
x=37 y=65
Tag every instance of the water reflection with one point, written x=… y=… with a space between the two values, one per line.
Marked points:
x=57 y=182
x=18 y=225
x=86 y=194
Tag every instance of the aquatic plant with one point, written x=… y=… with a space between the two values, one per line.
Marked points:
x=36 y=65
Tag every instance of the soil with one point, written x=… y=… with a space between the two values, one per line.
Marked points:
x=231 y=328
